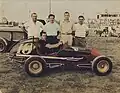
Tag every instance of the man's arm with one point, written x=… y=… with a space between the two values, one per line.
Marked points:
x=73 y=30
x=24 y=27
x=58 y=29
x=41 y=25
x=86 y=30
x=45 y=27
x=60 y=26
x=53 y=45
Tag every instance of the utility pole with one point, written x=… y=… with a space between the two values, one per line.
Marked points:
x=50 y=8
x=2 y=9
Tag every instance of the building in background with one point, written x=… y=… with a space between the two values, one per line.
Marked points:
x=109 y=18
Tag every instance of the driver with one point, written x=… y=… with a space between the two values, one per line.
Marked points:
x=44 y=47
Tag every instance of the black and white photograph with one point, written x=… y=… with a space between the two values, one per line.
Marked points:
x=59 y=46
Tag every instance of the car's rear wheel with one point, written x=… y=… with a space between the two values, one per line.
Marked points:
x=3 y=45
x=102 y=66
x=34 y=66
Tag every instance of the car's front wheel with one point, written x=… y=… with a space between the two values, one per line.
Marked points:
x=102 y=66
x=34 y=66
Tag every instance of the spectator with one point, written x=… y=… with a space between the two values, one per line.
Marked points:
x=80 y=32
x=52 y=28
x=33 y=27
x=106 y=31
x=114 y=32
x=66 y=27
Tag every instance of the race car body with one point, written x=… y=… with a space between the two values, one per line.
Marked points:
x=75 y=57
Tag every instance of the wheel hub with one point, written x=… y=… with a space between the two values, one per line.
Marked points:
x=35 y=67
x=103 y=66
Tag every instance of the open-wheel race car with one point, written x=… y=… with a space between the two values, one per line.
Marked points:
x=35 y=63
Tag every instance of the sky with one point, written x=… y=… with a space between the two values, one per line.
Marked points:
x=19 y=10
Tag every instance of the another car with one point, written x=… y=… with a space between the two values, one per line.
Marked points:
x=10 y=36
x=42 y=21
x=35 y=63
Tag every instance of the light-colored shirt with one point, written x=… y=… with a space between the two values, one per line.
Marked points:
x=51 y=29
x=66 y=27
x=33 y=29
x=80 y=30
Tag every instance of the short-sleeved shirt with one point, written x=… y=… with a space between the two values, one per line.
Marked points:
x=80 y=30
x=66 y=27
x=33 y=29
x=51 y=29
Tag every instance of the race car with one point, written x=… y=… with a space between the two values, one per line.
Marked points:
x=76 y=57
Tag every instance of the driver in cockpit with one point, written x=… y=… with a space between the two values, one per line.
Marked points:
x=45 y=47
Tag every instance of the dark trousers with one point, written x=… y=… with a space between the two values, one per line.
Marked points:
x=52 y=39
x=79 y=41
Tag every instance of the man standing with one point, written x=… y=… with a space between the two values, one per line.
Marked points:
x=52 y=29
x=66 y=29
x=80 y=32
x=33 y=27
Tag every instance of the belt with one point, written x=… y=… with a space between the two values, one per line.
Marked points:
x=66 y=33
x=79 y=37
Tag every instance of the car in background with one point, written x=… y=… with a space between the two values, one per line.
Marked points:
x=9 y=36
x=42 y=21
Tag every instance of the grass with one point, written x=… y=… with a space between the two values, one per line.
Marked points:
x=59 y=81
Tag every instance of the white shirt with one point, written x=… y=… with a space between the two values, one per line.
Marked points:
x=80 y=30
x=33 y=29
x=51 y=29
x=66 y=27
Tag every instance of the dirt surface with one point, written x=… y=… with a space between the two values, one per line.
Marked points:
x=13 y=78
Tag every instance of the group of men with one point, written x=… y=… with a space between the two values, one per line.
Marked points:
x=67 y=32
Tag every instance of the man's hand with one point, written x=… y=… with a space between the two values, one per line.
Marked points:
x=48 y=46
x=53 y=45
x=60 y=43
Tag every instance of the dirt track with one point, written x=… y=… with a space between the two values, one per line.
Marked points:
x=13 y=79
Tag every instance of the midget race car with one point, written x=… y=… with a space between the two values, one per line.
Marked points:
x=76 y=57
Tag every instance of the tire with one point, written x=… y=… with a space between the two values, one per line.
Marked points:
x=35 y=66
x=3 y=45
x=102 y=66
